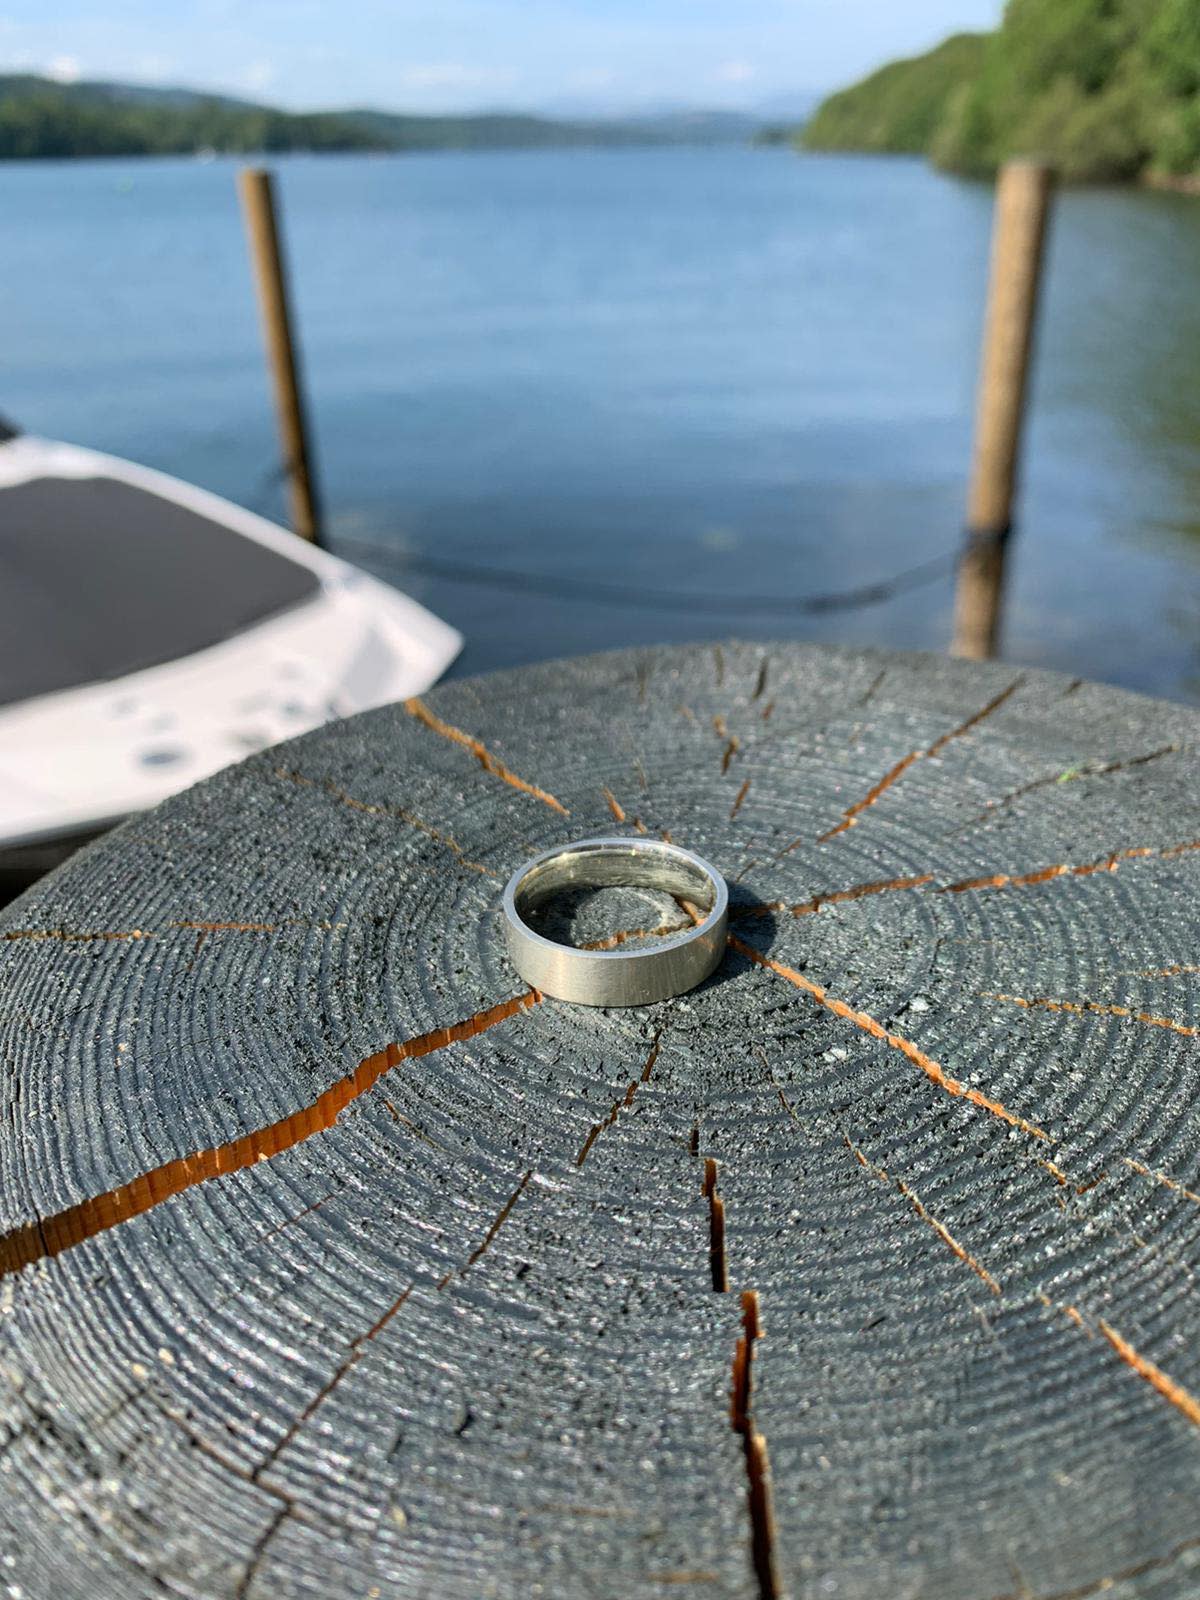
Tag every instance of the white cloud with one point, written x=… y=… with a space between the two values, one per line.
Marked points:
x=259 y=75
x=734 y=72
x=64 y=69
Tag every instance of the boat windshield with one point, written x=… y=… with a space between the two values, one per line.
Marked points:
x=99 y=578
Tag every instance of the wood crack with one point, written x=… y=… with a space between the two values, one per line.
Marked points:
x=754 y=1446
x=1094 y=1007
x=1171 y=1391
x=618 y=810
x=622 y=1102
x=830 y=897
x=354 y=1355
x=490 y=763
x=718 y=1258
x=358 y=1347
x=732 y=743
x=397 y=813
x=852 y=813
x=50 y=1236
x=497 y=1223
x=258 y=1553
x=1109 y=863
x=1070 y=775
x=1112 y=1579
x=936 y=1074
x=943 y=1233
x=1161 y=1177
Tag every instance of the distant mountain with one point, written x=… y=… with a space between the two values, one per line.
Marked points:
x=40 y=117
x=523 y=131
x=791 y=108
x=695 y=127
x=102 y=90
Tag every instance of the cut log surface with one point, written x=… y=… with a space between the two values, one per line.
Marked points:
x=335 y=1263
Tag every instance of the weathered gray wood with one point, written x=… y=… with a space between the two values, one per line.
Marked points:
x=361 y=1367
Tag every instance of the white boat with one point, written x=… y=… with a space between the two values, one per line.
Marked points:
x=151 y=633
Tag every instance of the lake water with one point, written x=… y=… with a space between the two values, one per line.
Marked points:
x=726 y=373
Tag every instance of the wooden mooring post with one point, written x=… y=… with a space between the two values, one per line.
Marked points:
x=270 y=275
x=262 y=1033
x=1022 y=203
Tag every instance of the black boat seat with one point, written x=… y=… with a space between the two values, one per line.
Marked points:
x=99 y=578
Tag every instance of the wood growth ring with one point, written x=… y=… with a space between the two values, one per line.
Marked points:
x=333 y=1261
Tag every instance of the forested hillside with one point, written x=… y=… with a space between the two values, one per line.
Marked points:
x=1108 y=90
x=39 y=117
x=900 y=107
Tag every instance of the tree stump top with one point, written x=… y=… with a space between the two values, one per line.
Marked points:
x=334 y=1262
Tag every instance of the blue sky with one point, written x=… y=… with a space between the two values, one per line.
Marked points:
x=433 y=55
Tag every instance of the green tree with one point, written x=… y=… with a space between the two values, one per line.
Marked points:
x=1107 y=90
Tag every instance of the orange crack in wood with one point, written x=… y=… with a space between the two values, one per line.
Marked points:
x=1166 y=1386
x=229 y=927
x=718 y=1260
x=925 y=1215
x=832 y=897
x=911 y=1052
x=358 y=1347
x=732 y=743
x=947 y=1237
x=498 y=1222
x=1161 y=1177
x=501 y=1218
x=758 y=1467
x=851 y=815
x=619 y=815
x=418 y=709
x=1070 y=776
x=1005 y=880
x=622 y=1102
x=50 y=1236
x=614 y=805
x=1083 y=1007
x=355 y=1353
x=1071 y=1313
x=399 y=813
x=741 y=795
x=1064 y=1181
x=1113 y=1579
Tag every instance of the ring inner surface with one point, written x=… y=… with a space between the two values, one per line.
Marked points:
x=613 y=869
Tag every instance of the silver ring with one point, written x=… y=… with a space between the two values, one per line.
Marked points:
x=616 y=977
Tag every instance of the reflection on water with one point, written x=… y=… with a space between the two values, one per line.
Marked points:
x=725 y=372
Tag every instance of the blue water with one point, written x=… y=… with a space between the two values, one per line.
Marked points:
x=724 y=372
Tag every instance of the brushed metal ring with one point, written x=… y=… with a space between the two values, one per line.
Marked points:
x=616 y=977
